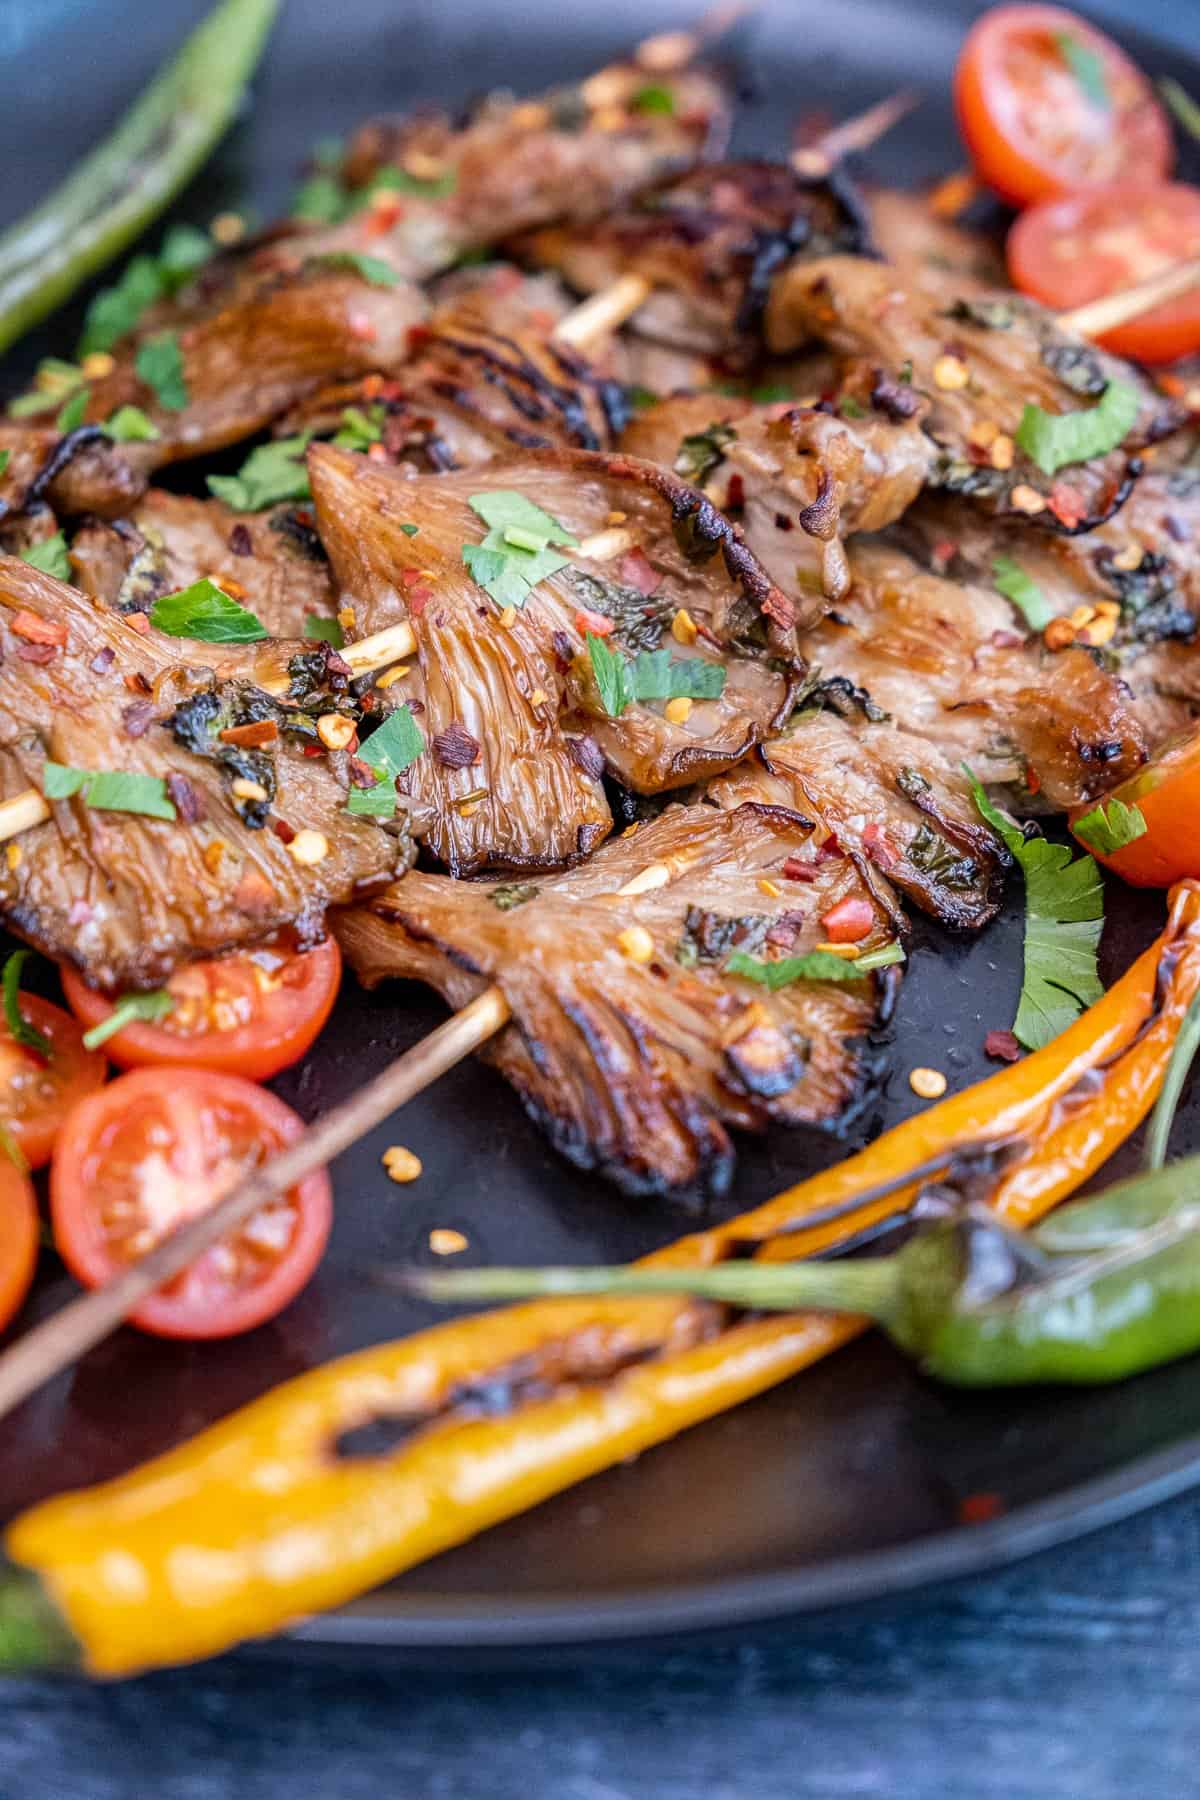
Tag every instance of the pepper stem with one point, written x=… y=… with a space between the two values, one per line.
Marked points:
x=33 y=1634
x=869 y=1287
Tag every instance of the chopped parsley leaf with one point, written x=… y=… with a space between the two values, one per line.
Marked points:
x=50 y=556
x=159 y=363
x=818 y=965
x=1052 y=440
x=272 y=473
x=18 y=1027
x=70 y=413
x=327 y=631
x=389 y=751
x=1110 y=826
x=370 y=268
x=129 y=425
x=130 y=1009
x=652 y=675
x=653 y=99
x=1087 y=66
x=506 y=570
x=206 y=613
x=109 y=790
x=1012 y=581
x=1064 y=916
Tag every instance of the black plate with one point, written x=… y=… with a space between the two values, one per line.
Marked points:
x=848 y=1481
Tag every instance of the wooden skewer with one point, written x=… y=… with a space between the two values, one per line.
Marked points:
x=1117 y=309
x=29 y=808
x=69 y=1333
x=858 y=133
x=601 y=314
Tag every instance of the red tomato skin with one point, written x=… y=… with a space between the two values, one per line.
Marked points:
x=1167 y=793
x=36 y=1135
x=79 y=1236
x=1014 y=172
x=19 y=1234
x=273 y=1041
x=1156 y=338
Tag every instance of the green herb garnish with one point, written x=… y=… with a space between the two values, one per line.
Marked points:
x=652 y=675
x=388 y=751
x=702 y=451
x=130 y=1009
x=206 y=613
x=50 y=556
x=1064 y=917
x=370 y=268
x=391 y=179
x=13 y=1150
x=850 y=408
x=653 y=99
x=1181 y=104
x=270 y=474
x=510 y=894
x=115 y=311
x=506 y=570
x=54 y=382
x=159 y=363
x=129 y=425
x=1052 y=440
x=1110 y=826
x=326 y=631
x=1087 y=66
x=5 y=456
x=1013 y=582
x=19 y=1029
x=109 y=790
x=70 y=413
x=359 y=429
x=818 y=965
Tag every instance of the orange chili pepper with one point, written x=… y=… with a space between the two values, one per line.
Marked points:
x=259 y=1520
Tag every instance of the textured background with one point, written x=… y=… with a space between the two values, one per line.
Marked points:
x=1077 y=1674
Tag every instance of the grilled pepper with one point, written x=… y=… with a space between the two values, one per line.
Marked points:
x=294 y=1504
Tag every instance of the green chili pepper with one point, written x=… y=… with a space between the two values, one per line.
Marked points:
x=129 y=179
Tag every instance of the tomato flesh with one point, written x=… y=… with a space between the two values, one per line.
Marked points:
x=1069 y=251
x=18 y=1237
x=1034 y=127
x=1167 y=794
x=253 y=1013
x=156 y=1147
x=37 y=1092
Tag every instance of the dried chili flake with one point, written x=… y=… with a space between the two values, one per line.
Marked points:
x=37 y=653
x=599 y=624
x=252 y=736
x=455 y=748
x=1002 y=1045
x=103 y=660
x=36 y=630
x=240 y=541
x=978 y=1509
x=1067 y=504
x=636 y=571
x=587 y=755
x=137 y=718
x=189 y=802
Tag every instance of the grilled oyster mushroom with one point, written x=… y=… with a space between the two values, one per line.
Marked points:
x=888 y=799
x=79 y=472
x=168 y=541
x=442 y=189
x=800 y=478
x=709 y=243
x=943 y=661
x=519 y=725
x=631 y=1043
x=256 y=834
x=485 y=380
x=1139 y=572
x=981 y=359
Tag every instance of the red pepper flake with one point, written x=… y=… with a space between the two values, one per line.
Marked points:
x=879 y=847
x=944 y=552
x=849 y=921
x=1033 y=781
x=189 y=802
x=796 y=869
x=362 y=327
x=80 y=913
x=37 y=630
x=282 y=830
x=103 y=660
x=252 y=736
x=361 y=773
x=418 y=600
x=418 y=337
x=137 y=683
x=1067 y=504
x=37 y=653
x=735 y=494
x=978 y=1509
x=455 y=748
x=314 y=749
x=637 y=572
x=137 y=718
x=382 y=214
x=1006 y=640
x=138 y=622
x=599 y=624
x=1002 y=1046
x=240 y=541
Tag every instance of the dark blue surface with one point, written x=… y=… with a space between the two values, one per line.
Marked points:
x=1077 y=1674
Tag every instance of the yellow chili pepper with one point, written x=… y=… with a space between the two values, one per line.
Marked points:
x=261 y=1520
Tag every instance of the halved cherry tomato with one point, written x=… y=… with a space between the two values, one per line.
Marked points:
x=1047 y=104
x=155 y=1147
x=1167 y=794
x=18 y=1237
x=37 y=1092
x=251 y=1014
x=849 y=920
x=1069 y=251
